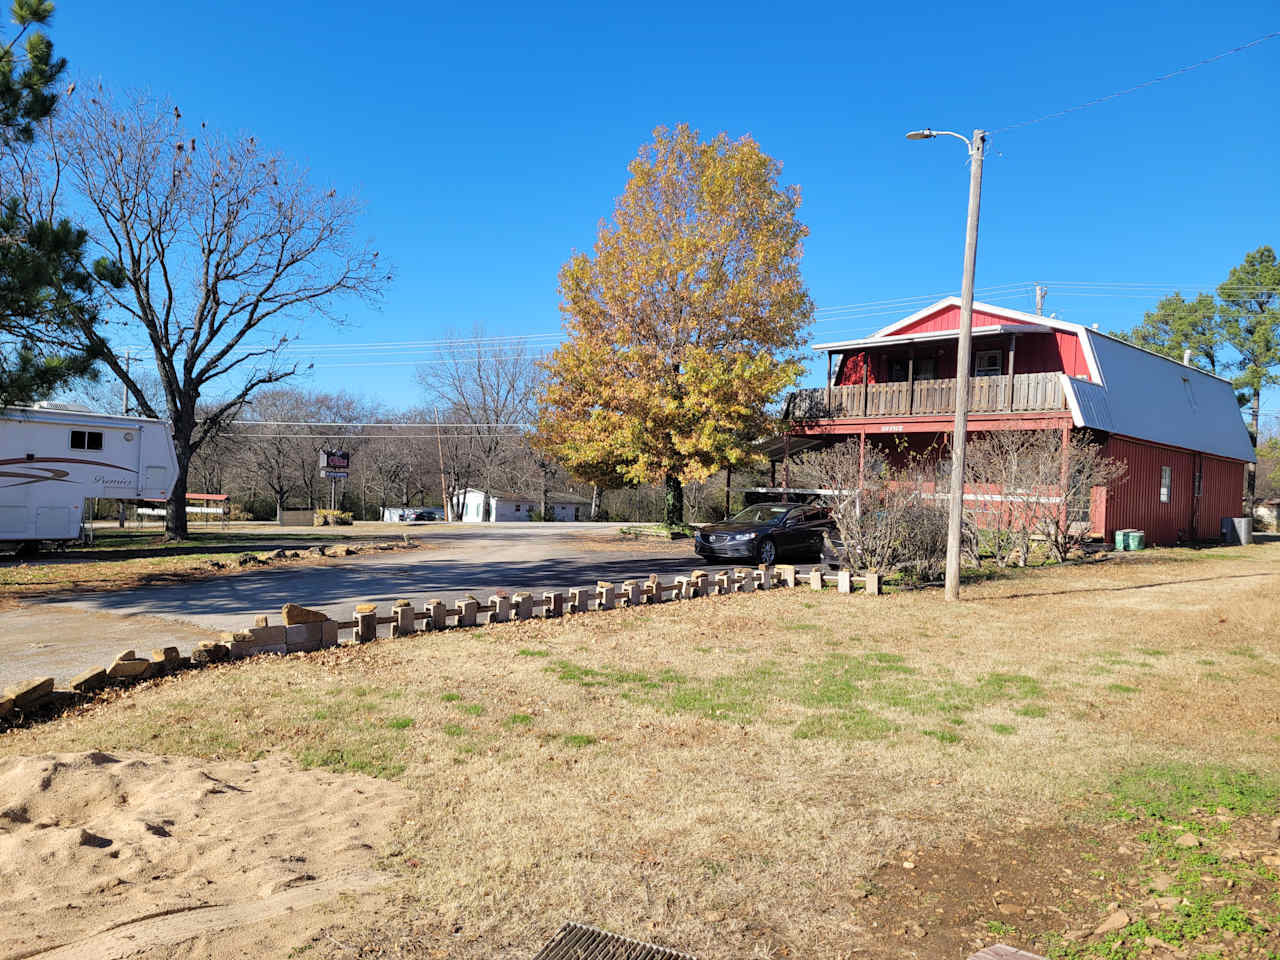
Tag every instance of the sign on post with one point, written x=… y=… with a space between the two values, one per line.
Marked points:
x=335 y=460
x=334 y=465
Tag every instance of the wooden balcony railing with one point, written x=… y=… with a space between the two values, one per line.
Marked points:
x=1021 y=393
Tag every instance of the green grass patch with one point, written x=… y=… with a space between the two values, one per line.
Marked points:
x=370 y=758
x=942 y=736
x=1168 y=792
x=852 y=725
x=578 y=740
x=533 y=653
x=450 y=697
x=400 y=723
x=1033 y=710
x=1121 y=688
x=472 y=709
x=519 y=720
x=454 y=730
x=1003 y=729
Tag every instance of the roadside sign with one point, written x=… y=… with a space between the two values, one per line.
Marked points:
x=334 y=474
x=334 y=460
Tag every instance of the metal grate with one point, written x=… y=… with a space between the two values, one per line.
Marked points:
x=577 y=941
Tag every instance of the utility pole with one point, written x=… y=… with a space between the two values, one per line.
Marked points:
x=444 y=487
x=964 y=350
x=1041 y=293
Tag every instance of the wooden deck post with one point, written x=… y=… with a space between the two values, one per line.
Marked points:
x=786 y=465
x=911 y=380
x=828 y=383
x=865 y=361
x=1008 y=393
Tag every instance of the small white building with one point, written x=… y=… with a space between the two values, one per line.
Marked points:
x=479 y=506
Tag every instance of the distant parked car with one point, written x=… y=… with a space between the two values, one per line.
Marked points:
x=766 y=532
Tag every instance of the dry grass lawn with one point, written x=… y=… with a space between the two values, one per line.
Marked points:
x=720 y=775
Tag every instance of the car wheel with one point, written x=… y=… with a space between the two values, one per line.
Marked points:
x=767 y=552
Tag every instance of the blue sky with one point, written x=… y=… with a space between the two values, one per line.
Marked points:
x=488 y=140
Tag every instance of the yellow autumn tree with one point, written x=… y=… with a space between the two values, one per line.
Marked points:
x=684 y=322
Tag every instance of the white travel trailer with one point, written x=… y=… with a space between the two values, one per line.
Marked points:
x=54 y=456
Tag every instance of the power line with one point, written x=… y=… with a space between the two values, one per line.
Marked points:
x=1146 y=83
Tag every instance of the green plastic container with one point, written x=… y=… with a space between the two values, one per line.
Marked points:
x=1130 y=539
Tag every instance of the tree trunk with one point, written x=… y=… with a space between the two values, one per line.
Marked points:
x=595 y=502
x=674 y=490
x=279 y=510
x=545 y=494
x=175 y=520
x=1252 y=468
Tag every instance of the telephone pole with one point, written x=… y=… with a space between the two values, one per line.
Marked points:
x=1041 y=292
x=964 y=350
x=444 y=488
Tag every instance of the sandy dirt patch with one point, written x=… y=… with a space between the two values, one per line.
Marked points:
x=102 y=855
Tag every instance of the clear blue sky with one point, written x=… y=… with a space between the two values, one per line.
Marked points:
x=489 y=139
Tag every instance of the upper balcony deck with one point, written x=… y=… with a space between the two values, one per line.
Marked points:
x=1016 y=393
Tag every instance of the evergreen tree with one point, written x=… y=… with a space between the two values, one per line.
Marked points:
x=1177 y=325
x=1251 y=318
x=46 y=289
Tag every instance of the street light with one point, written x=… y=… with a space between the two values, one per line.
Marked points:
x=955 y=516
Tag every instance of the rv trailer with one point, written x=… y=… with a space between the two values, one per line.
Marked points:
x=54 y=456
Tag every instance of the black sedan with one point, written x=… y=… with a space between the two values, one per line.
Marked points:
x=765 y=532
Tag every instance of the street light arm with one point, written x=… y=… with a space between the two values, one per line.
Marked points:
x=928 y=134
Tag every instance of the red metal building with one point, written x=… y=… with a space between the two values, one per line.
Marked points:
x=1177 y=429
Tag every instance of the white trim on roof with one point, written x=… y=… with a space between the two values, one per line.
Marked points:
x=983 y=331
x=1044 y=325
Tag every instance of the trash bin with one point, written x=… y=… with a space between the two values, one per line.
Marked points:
x=1237 y=531
x=1122 y=539
x=1135 y=540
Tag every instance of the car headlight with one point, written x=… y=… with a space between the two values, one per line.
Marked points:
x=739 y=537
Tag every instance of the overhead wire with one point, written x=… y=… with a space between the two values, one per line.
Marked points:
x=1140 y=86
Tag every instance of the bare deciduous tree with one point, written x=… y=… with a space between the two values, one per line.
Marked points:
x=219 y=248
x=483 y=394
x=1018 y=494
x=887 y=518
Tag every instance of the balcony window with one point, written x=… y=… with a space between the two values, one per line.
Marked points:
x=988 y=363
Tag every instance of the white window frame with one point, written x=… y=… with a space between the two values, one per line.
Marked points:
x=1166 y=484
x=987 y=370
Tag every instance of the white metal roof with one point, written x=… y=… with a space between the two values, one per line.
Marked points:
x=1150 y=397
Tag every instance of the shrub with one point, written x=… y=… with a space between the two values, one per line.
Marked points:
x=889 y=519
x=332 y=518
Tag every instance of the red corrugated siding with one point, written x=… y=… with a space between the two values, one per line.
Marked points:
x=1035 y=352
x=1072 y=355
x=1134 y=502
x=1221 y=495
x=948 y=318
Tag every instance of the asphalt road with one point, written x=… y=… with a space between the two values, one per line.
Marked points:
x=61 y=637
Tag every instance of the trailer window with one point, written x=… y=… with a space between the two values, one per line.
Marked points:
x=86 y=440
x=1166 y=483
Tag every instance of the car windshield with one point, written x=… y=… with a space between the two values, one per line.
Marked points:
x=763 y=513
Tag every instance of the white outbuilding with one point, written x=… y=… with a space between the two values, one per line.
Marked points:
x=493 y=506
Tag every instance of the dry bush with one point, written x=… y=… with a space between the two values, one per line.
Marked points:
x=1015 y=480
x=888 y=518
